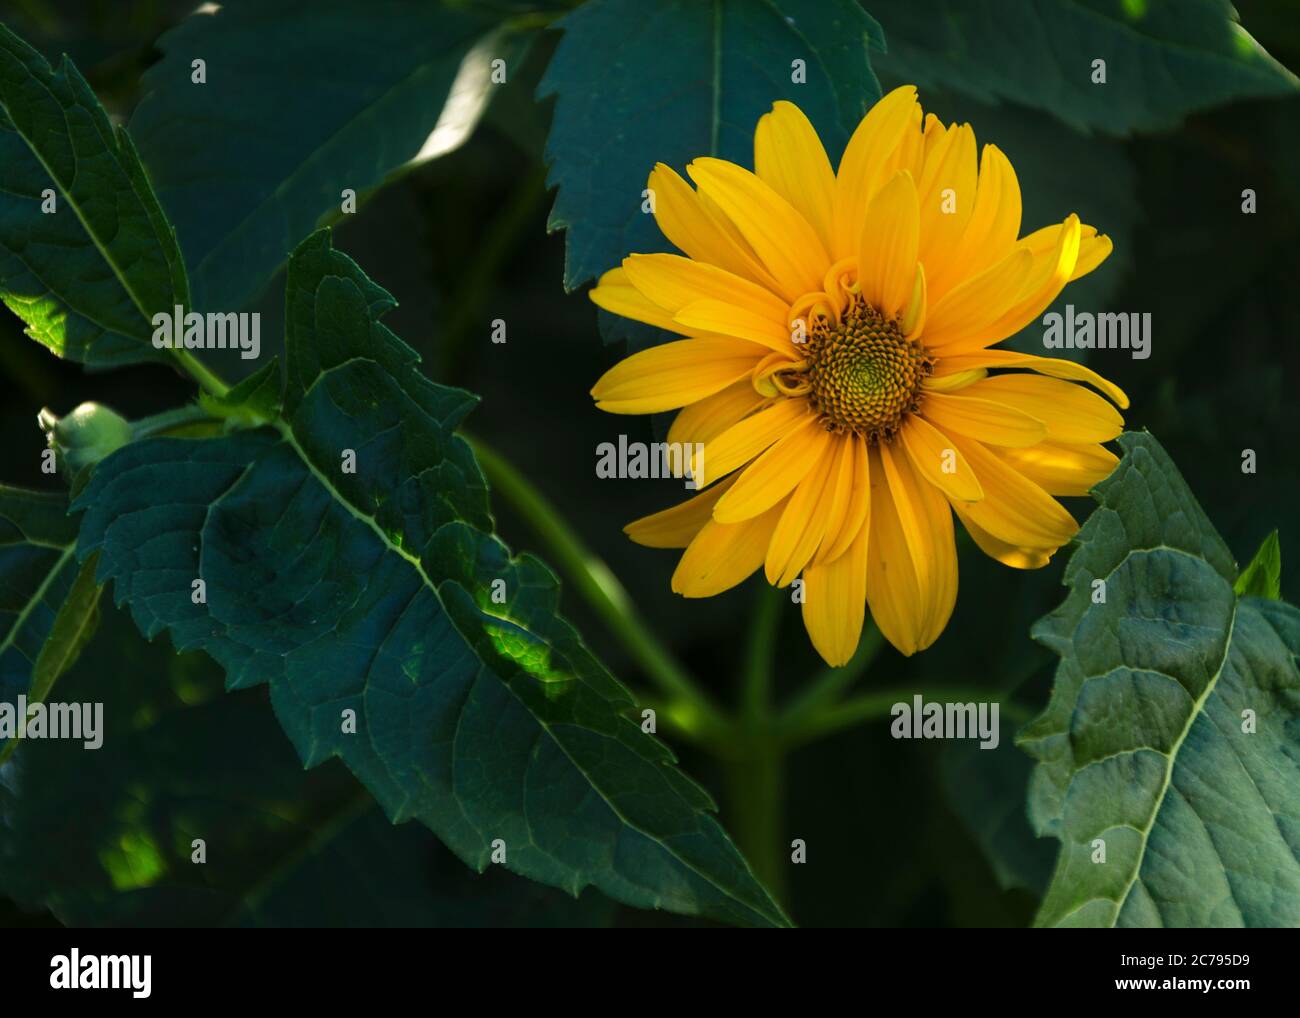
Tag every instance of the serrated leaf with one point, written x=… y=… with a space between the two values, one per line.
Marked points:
x=88 y=276
x=644 y=81
x=1263 y=577
x=1163 y=60
x=284 y=847
x=49 y=603
x=324 y=101
x=371 y=591
x=1173 y=727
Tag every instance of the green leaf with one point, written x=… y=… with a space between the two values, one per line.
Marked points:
x=88 y=277
x=253 y=160
x=49 y=604
x=284 y=846
x=1163 y=60
x=645 y=81
x=1263 y=577
x=373 y=591
x=1171 y=734
x=254 y=401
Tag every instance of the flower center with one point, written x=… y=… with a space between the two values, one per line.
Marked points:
x=863 y=376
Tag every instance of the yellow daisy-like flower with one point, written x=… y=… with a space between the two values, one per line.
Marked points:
x=837 y=370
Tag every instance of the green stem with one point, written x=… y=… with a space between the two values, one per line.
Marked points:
x=205 y=376
x=677 y=719
x=827 y=687
x=602 y=590
x=756 y=694
x=168 y=420
x=756 y=794
x=756 y=764
x=874 y=706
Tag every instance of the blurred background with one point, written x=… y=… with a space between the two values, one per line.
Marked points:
x=898 y=833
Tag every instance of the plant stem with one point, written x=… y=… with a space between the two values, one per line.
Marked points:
x=756 y=765
x=756 y=793
x=205 y=376
x=602 y=590
x=827 y=687
x=166 y=421
x=873 y=706
x=756 y=694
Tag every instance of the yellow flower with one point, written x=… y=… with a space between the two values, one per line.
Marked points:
x=837 y=370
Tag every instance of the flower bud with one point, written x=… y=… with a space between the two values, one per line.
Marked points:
x=85 y=436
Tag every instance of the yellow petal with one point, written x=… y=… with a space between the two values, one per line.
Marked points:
x=713 y=316
x=850 y=503
x=724 y=554
x=699 y=231
x=751 y=437
x=1050 y=274
x=910 y=514
x=966 y=311
x=954 y=382
x=943 y=591
x=1070 y=412
x=674 y=374
x=775 y=473
x=914 y=315
x=673 y=282
x=1061 y=469
x=1013 y=509
x=789 y=157
x=711 y=416
x=1056 y=367
x=938 y=461
x=834 y=606
x=887 y=249
x=910 y=153
x=1092 y=252
x=1094 y=248
x=911 y=604
x=993 y=227
x=982 y=419
x=803 y=522
x=784 y=242
x=676 y=526
x=1007 y=554
x=615 y=293
x=862 y=167
x=946 y=194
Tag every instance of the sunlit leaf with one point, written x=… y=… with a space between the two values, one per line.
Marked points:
x=86 y=256
x=253 y=159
